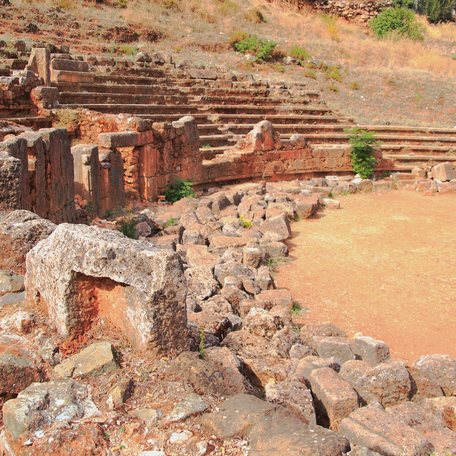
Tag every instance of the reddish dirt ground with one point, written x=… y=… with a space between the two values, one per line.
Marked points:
x=385 y=266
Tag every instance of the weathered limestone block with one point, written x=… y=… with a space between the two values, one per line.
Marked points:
x=430 y=426
x=268 y=299
x=10 y=182
x=295 y=396
x=270 y=429
x=334 y=397
x=37 y=168
x=14 y=176
x=69 y=65
x=382 y=432
x=434 y=375
x=371 y=350
x=444 y=408
x=41 y=405
x=17 y=372
x=112 y=190
x=262 y=138
x=44 y=97
x=20 y=231
x=60 y=175
x=39 y=63
x=444 y=172
x=278 y=227
x=338 y=347
x=308 y=364
x=87 y=174
x=84 y=272
x=387 y=383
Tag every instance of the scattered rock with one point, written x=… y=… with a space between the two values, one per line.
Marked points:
x=11 y=282
x=190 y=406
x=41 y=405
x=149 y=416
x=94 y=360
x=177 y=438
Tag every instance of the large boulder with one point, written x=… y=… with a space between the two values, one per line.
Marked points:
x=382 y=432
x=42 y=405
x=83 y=273
x=429 y=425
x=434 y=375
x=334 y=397
x=387 y=383
x=444 y=172
x=271 y=430
x=20 y=231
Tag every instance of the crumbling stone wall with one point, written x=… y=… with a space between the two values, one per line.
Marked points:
x=353 y=10
x=36 y=173
x=15 y=93
x=152 y=155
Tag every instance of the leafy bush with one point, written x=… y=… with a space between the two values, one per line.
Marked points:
x=262 y=49
x=437 y=10
x=178 y=190
x=400 y=21
x=363 y=145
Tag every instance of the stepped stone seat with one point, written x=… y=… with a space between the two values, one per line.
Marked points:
x=226 y=107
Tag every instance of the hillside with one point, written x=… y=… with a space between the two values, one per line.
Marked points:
x=372 y=81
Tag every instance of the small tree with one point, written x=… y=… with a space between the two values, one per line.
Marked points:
x=397 y=21
x=437 y=10
x=363 y=145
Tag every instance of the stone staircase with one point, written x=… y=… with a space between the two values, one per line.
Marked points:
x=226 y=108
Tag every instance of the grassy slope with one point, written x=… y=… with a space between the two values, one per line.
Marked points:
x=382 y=81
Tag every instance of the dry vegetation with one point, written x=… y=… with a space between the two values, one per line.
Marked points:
x=395 y=80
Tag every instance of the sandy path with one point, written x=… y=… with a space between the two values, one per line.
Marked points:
x=385 y=266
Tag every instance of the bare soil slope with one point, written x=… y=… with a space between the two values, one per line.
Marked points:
x=385 y=266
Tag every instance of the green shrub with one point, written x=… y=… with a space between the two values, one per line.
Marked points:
x=333 y=72
x=299 y=53
x=178 y=190
x=400 y=21
x=172 y=221
x=245 y=222
x=437 y=10
x=296 y=308
x=363 y=145
x=262 y=49
x=127 y=227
